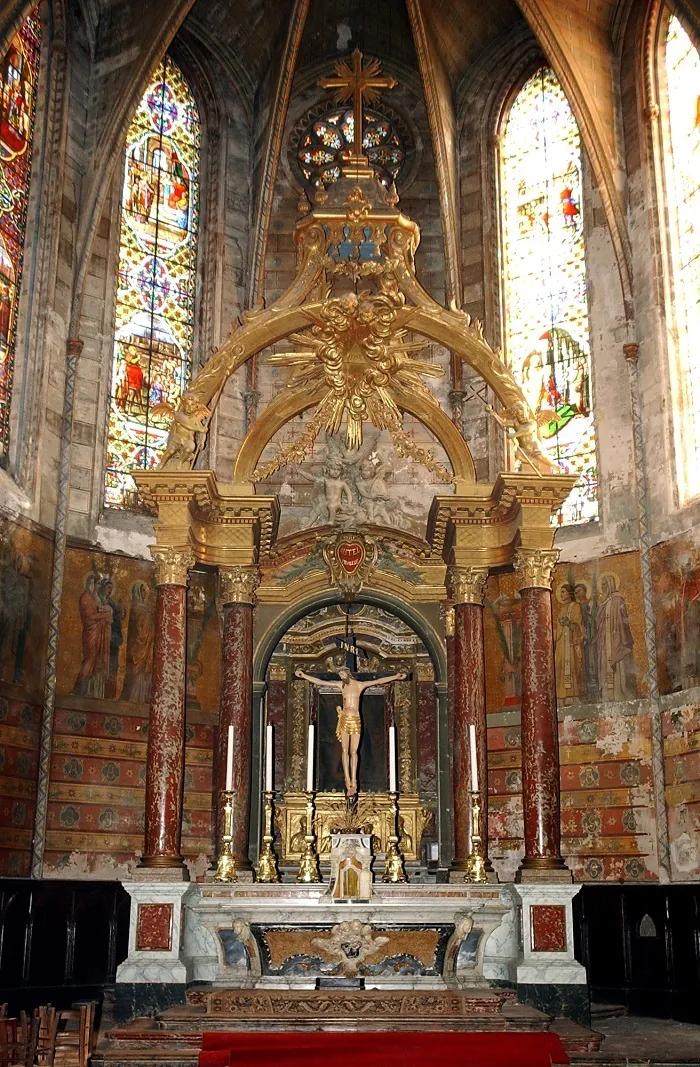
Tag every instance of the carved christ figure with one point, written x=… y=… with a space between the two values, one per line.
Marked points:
x=349 y=728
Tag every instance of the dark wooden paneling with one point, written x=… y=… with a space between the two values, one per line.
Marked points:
x=641 y=946
x=60 y=941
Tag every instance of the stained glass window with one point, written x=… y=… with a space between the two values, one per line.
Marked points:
x=544 y=279
x=155 y=310
x=330 y=138
x=683 y=169
x=20 y=69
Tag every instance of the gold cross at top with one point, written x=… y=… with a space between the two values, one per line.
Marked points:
x=355 y=83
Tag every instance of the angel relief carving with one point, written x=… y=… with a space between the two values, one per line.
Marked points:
x=369 y=485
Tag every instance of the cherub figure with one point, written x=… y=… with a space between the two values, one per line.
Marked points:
x=336 y=493
x=191 y=419
x=375 y=497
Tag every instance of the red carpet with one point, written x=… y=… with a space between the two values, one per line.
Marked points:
x=400 y=1049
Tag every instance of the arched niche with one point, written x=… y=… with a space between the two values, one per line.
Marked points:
x=416 y=620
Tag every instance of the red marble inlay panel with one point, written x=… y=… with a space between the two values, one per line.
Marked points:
x=548 y=926
x=154 y=928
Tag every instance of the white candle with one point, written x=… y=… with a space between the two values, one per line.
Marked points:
x=310 y=760
x=268 y=758
x=392 y=759
x=229 y=760
x=472 y=753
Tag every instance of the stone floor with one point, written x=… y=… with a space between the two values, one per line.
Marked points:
x=634 y=1040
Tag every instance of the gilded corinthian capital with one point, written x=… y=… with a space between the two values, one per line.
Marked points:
x=466 y=585
x=237 y=585
x=535 y=567
x=172 y=564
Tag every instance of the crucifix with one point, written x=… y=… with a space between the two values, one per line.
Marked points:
x=357 y=83
x=349 y=729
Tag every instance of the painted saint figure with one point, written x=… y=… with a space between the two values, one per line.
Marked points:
x=139 y=646
x=349 y=728
x=569 y=647
x=617 y=676
x=96 y=617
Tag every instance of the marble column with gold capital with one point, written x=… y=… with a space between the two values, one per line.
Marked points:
x=466 y=588
x=534 y=568
x=236 y=597
x=165 y=755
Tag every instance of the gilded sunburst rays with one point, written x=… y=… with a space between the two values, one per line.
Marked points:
x=360 y=354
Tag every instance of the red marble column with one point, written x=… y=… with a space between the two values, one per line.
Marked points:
x=469 y=700
x=237 y=587
x=165 y=754
x=540 y=742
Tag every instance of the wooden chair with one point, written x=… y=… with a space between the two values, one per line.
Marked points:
x=73 y=1044
x=18 y=1041
x=48 y=1028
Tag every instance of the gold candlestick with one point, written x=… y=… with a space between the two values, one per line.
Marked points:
x=308 y=867
x=267 y=864
x=476 y=869
x=394 y=870
x=225 y=863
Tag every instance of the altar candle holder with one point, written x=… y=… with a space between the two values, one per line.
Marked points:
x=225 y=863
x=476 y=867
x=394 y=870
x=267 y=864
x=308 y=867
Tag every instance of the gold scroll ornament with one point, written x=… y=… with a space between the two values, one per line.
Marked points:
x=374 y=811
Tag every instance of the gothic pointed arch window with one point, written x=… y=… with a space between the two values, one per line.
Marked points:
x=18 y=81
x=545 y=303
x=155 y=305
x=682 y=167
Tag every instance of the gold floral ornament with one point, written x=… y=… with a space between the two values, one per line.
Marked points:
x=357 y=357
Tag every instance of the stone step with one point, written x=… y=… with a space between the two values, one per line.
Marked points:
x=607 y=1011
x=219 y=1008
x=145 y=1042
x=576 y=1038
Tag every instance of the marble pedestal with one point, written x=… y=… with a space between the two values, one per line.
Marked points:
x=154 y=975
x=547 y=974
